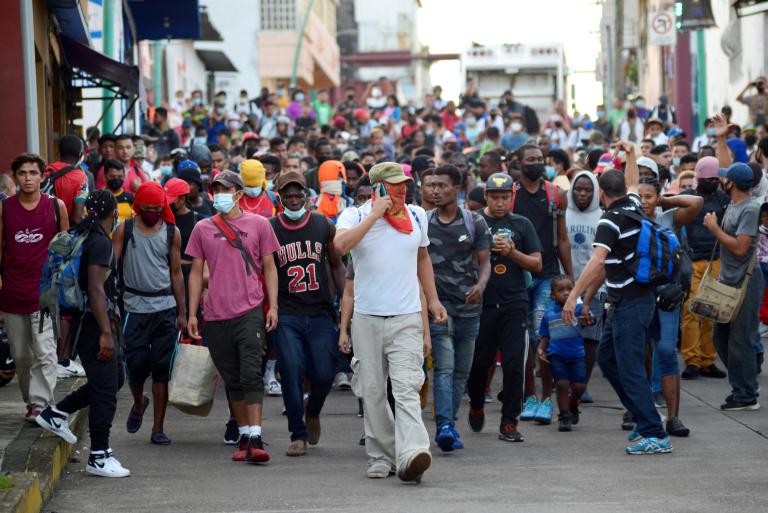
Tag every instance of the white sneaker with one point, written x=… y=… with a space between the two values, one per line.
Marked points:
x=57 y=423
x=73 y=370
x=274 y=389
x=104 y=464
x=342 y=381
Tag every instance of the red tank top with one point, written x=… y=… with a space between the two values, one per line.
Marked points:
x=261 y=206
x=26 y=234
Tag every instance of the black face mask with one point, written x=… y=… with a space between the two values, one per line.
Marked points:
x=533 y=171
x=707 y=186
x=115 y=183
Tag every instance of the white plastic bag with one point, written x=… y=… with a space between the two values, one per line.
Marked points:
x=193 y=380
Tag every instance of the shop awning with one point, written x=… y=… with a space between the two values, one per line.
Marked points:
x=166 y=19
x=207 y=31
x=749 y=7
x=93 y=69
x=214 y=60
x=71 y=19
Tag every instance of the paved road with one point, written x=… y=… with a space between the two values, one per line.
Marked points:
x=720 y=467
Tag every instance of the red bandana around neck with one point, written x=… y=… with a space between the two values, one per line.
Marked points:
x=397 y=216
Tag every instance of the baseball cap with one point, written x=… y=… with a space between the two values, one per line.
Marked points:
x=249 y=135
x=656 y=121
x=499 y=182
x=252 y=173
x=605 y=163
x=650 y=164
x=706 y=167
x=674 y=132
x=175 y=188
x=191 y=175
x=229 y=179
x=390 y=172
x=290 y=177
x=740 y=174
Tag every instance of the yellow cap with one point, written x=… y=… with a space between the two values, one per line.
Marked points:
x=253 y=173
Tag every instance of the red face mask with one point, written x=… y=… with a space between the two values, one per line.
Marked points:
x=150 y=218
x=397 y=216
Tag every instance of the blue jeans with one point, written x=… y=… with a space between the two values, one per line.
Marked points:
x=453 y=345
x=306 y=346
x=539 y=301
x=621 y=356
x=664 y=331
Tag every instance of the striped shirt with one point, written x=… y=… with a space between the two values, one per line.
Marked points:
x=618 y=234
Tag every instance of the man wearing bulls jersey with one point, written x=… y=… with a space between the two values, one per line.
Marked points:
x=306 y=333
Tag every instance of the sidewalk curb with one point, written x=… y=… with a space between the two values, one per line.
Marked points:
x=35 y=461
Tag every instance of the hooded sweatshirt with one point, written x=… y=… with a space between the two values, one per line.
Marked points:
x=582 y=225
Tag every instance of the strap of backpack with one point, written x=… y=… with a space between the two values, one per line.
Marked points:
x=56 y=213
x=469 y=224
x=514 y=197
x=127 y=238
x=234 y=240
x=61 y=172
x=552 y=192
x=170 y=230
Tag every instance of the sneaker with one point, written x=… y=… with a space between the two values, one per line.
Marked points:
x=231 y=435
x=476 y=420
x=242 y=449
x=509 y=433
x=274 y=389
x=488 y=398
x=313 y=428
x=565 y=421
x=31 y=415
x=658 y=400
x=544 y=412
x=256 y=453
x=675 y=427
x=734 y=405
x=651 y=445
x=56 y=422
x=586 y=398
x=379 y=469
x=104 y=464
x=457 y=444
x=342 y=381
x=362 y=441
x=445 y=439
x=530 y=407
x=69 y=369
x=759 y=359
x=414 y=469
x=691 y=372
x=712 y=371
x=575 y=413
x=297 y=448
x=634 y=436
x=627 y=422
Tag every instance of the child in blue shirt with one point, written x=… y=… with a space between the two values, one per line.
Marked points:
x=563 y=348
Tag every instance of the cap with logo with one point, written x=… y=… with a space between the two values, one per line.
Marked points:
x=499 y=182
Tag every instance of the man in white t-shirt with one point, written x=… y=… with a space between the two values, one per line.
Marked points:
x=388 y=240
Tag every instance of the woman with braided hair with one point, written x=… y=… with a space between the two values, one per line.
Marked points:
x=96 y=341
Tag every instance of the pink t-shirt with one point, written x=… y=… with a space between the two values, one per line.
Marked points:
x=231 y=291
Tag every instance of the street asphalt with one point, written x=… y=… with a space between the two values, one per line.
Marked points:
x=720 y=467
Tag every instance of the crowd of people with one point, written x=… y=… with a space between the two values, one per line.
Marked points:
x=310 y=246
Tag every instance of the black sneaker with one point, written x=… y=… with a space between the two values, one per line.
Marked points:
x=565 y=422
x=476 y=419
x=760 y=357
x=509 y=433
x=627 y=422
x=575 y=413
x=713 y=372
x=691 y=372
x=675 y=427
x=734 y=405
x=231 y=435
x=256 y=451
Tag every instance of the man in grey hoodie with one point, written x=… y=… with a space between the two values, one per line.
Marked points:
x=581 y=218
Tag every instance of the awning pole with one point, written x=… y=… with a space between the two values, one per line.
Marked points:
x=299 y=41
x=108 y=35
x=108 y=101
x=127 y=112
x=30 y=77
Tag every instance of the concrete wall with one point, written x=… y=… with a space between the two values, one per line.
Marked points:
x=184 y=69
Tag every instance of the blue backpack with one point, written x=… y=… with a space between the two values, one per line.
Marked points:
x=659 y=256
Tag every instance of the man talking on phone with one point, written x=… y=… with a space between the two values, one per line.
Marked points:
x=388 y=240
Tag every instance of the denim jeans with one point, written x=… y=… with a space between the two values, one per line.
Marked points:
x=664 y=330
x=453 y=345
x=621 y=356
x=539 y=301
x=734 y=343
x=306 y=346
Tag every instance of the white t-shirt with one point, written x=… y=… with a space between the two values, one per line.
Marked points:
x=385 y=261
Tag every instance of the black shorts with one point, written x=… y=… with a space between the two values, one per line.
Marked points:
x=150 y=341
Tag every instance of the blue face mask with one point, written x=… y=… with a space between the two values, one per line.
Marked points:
x=600 y=114
x=223 y=202
x=294 y=215
x=201 y=140
x=676 y=161
x=270 y=184
x=587 y=125
x=711 y=131
x=166 y=170
x=252 y=192
x=640 y=104
x=550 y=172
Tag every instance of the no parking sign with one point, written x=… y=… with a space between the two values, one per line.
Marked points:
x=661 y=28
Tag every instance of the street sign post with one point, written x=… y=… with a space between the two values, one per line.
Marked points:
x=661 y=28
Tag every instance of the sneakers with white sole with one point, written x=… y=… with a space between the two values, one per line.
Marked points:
x=274 y=389
x=104 y=464
x=342 y=381
x=57 y=423
x=69 y=369
x=379 y=469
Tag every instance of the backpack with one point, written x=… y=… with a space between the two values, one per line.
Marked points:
x=659 y=255
x=128 y=238
x=49 y=182
x=469 y=222
x=553 y=200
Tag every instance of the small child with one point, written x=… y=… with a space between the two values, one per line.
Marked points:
x=563 y=347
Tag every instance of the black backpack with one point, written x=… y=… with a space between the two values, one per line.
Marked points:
x=49 y=183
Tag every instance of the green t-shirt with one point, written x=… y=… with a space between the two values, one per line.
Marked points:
x=324 y=113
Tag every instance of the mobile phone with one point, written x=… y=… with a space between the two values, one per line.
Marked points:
x=381 y=189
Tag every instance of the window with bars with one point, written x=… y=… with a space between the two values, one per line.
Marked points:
x=278 y=14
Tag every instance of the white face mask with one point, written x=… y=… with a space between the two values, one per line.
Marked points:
x=331 y=187
x=516 y=127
